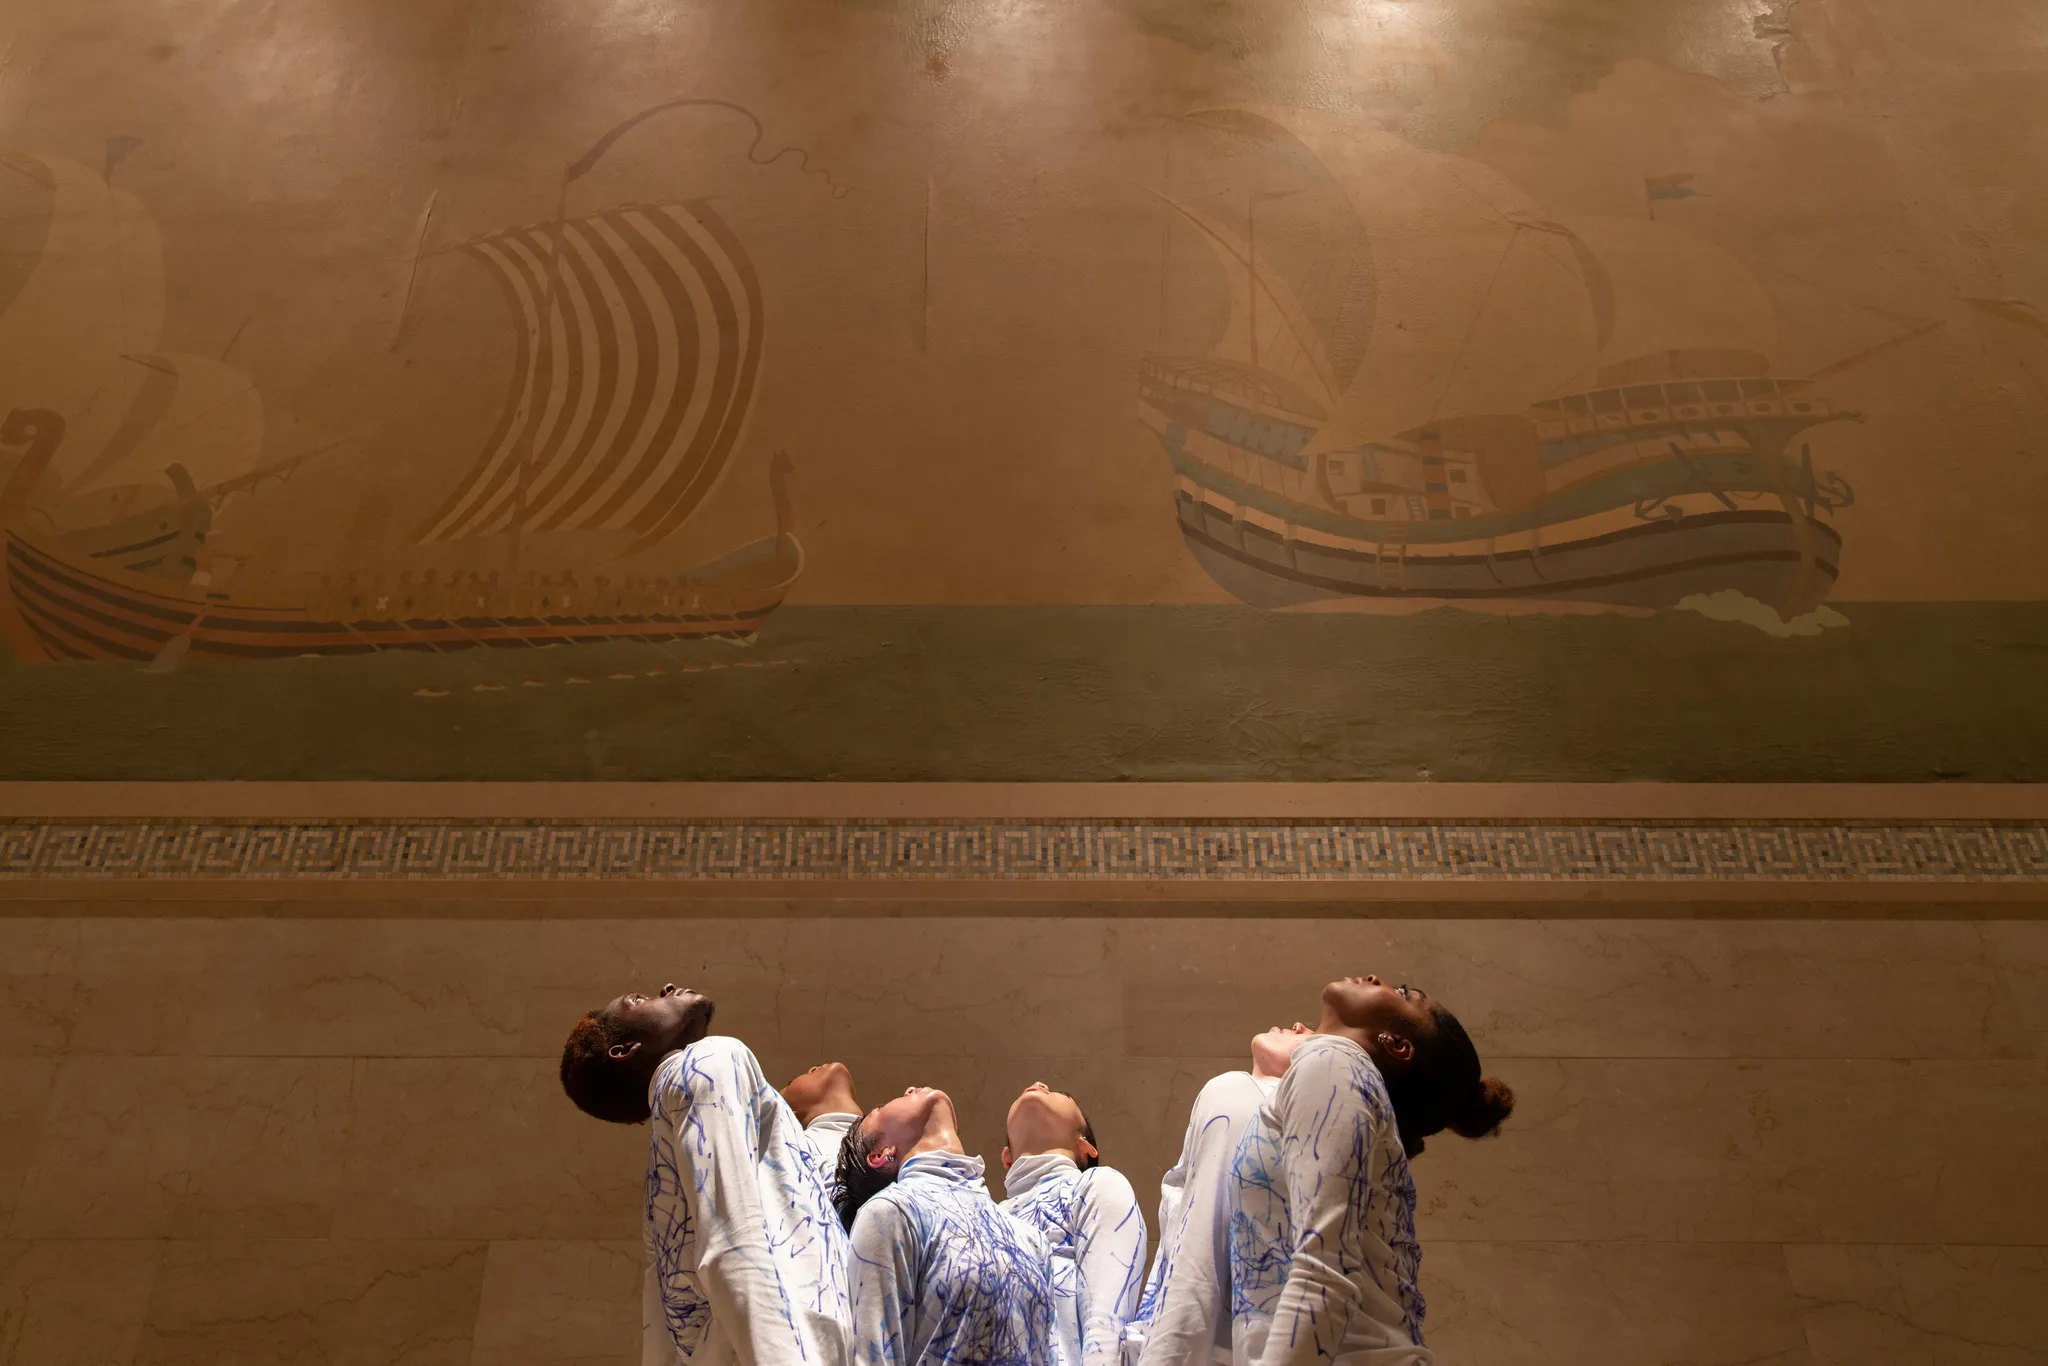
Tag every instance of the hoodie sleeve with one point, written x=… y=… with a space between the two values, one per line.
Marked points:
x=1194 y=1272
x=1109 y=1253
x=884 y=1283
x=1329 y=1132
x=705 y=1222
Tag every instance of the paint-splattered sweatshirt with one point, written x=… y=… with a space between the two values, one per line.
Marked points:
x=1184 y=1317
x=1323 y=1259
x=747 y=1261
x=1091 y=1223
x=941 y=1277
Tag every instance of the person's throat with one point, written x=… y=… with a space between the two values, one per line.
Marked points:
x=940 y=1136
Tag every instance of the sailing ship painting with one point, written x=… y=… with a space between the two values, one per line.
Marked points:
x=1573 y=413
x=638 y=336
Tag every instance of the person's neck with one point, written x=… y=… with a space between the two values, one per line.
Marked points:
x=1330 y=1024
x=1067 y=1153
x=940 y=1136
x=834 y=1103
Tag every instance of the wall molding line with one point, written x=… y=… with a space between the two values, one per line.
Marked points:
x=1231 y=857
x=1900 y=802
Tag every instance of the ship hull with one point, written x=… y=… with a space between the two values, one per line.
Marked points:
x=1763 y=552
x=75 y=612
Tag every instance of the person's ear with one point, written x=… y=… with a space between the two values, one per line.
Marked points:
x=879 y=1158
x=1397 y=1047
x=1007 y=1159
x=1085 y=1150
x=619 y=1052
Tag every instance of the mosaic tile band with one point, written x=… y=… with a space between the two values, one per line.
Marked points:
x=1028 y=850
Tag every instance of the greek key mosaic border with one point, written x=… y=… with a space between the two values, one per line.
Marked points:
x=1024 y=850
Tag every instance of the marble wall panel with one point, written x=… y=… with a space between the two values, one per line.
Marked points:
x=1922 y=1306
x=984 y=988
x=330 y=1302
x=1620 y=1304
x=298 y=987
x=1692 y=1096
x=1747 y=1151
x=1586 y=988
x=559 y=1304
x=2020 y=949
x=188 y=1147
x=483 y=1148
x=38 y=980
x=73 y=1303
x=769 y=990
x=25 y=1085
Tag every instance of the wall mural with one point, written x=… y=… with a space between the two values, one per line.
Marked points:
x=1497 y=415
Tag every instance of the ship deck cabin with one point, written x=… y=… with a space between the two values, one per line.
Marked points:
x=1248 y=409
x=1691 y=400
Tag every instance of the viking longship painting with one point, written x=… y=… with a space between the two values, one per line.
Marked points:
x=638 y=342
x=1577 y=411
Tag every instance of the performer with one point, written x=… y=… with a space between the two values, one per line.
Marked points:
x=941 y=1277
x=1089 y=1216
x=1323 y=1258
x=1184 y=1317
x=747 y=1260
x=825 y=1105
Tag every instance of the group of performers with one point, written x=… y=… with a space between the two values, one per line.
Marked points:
x=792 y=1226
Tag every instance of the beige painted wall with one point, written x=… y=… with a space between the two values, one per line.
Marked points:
x=268 y=1140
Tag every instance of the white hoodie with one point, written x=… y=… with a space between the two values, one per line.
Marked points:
x=1184 y=1317
x=1091 y=1222
x=747 y=1261
x=1324 y=1264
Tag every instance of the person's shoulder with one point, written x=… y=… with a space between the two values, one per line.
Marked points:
x=717 y=1048
x=1341 y=1064
x=1225 y=1084
x=888 y=1208
x=1100 y=1183
x=703 y=1069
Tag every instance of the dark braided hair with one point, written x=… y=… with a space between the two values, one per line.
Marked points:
x=1441 y=1088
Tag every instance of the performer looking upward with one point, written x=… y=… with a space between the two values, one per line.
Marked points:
x=825 y=1105
x=941 y=1277
x=1184 y=1317
x=1324 y=1262
x=1089 y=1215
x=747 y=1259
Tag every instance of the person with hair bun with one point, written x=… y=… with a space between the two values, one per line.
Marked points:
x=1324 y=1265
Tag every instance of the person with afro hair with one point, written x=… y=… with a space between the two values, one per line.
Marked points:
x=747 y=1259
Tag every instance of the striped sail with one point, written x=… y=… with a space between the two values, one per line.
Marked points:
x=639 y=340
